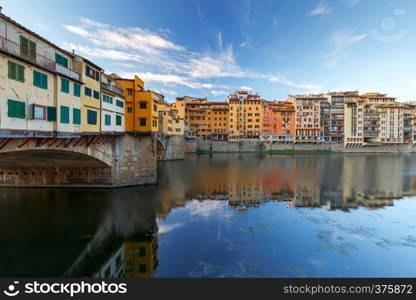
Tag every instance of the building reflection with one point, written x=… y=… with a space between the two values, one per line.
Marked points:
x=339 y=182
x=126 y=242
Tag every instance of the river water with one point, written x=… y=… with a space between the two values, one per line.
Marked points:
x=223 y=215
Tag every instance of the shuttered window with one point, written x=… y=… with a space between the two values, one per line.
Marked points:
x=77 y=89
x=107 y=120
x=64 y=85
x=60 y=60
x=64 y=114
x=119 y=120
x=76 y=116
x=16 y=109
x=24 y=47
x=120 y=103
x=16 y=71
x=51 y=114
x=88 y=92
x=96 y=95
x=91 y=117
x=40 y=80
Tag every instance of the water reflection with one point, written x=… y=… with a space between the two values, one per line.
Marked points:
x=220 y=215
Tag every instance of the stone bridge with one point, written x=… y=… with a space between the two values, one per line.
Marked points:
x=91 y=160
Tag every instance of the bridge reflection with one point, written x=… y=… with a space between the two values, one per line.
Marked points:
x=114 y=233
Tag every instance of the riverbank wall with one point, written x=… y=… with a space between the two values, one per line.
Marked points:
x=207 y=146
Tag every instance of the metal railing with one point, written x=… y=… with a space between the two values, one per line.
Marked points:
x=15 y=49
x=113 y=89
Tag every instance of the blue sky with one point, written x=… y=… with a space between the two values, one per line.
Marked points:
x=209 y=48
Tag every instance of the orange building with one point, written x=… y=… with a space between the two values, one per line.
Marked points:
x=141 y=106
x=278 y=121
x=208 y=119
x=130 y=89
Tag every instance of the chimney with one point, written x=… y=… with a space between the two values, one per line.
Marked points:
x=1 y=8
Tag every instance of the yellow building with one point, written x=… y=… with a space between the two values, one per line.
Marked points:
x=140 y=256
x=90 y=94
x=245 y=116
x=169 y=121
x=308 y=118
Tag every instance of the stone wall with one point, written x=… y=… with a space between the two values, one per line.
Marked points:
x=190 y=145
x=258 y=146
x=174 y=147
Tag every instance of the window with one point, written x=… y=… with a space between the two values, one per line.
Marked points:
x=76 y=116
x=142 y=268
x=64 y=85
x=129 y=110
x=96 y=95
x=16 y=109
x=107 y=99
x=154 y=123
x=27 y=49
x=92 y=73
x=107 y=272
x=88 y=92
x=120 y=103
x=40 y=80
x=107 y=120
x=143 y=105
x=60 y=60
x=119 y=120
x=154 y=107
x=91 y=117
x=64 y=114
x=142 y=251
x=142 y=121
x=51 y=114
x=77 y=90
x=129 y=92
x=39 y=112
x=16 y=71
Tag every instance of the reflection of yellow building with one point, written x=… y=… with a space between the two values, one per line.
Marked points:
x=140 y=256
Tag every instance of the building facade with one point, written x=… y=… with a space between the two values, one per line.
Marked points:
x=113 y=103
x=40 y=88
x=278 y=122
x=308 y=118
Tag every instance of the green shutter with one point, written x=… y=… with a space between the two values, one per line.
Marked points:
x=118 y=120
x=64 y=85
x=76 y=114
x=32 y=51
x=77 y=90
x=51 y=113
x=40 y=80
x=20 y=73
x=24 y=47
x=12 y=70
x=107 y=121
x=16 y=109
x=64 y=114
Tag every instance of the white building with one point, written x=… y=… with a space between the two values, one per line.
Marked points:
x=39 y=90
x=112 y=108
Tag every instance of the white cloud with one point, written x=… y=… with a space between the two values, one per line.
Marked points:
x=311 y=87
x=219 y=92
x=352 y=2
x=246 y=88
x=342 y=41
x=156 y=58
x=322 y=9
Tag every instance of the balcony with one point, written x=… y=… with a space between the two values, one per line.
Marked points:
x=113 y=89
x=16 y=50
